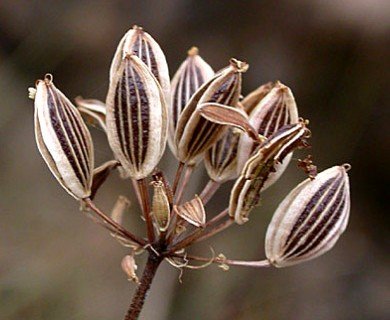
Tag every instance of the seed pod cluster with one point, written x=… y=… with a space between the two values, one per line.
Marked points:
x=63 y=139
x=309 y=221
x=245 y=194
x=136 y=118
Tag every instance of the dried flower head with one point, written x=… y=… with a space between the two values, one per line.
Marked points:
x=204 y=116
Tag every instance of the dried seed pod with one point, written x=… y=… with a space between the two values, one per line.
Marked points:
x=276 y=109
x=192 y=211
x=309 y=221
x=137 y=41
x=93 y=111
x=252 y=99
x=63 y=139
x=192 y=73
x=130 y=267
x=160 y=206
x=136 y=118
x=221 y=159
x=195 y=134
x=245 y=194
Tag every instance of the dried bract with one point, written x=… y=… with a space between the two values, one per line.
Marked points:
x=192 y=211
x=63 y=139
x=136 y=118
x=310 y=219
x=192 y=73
x=93 y=111
x=129 y=267
x=245 y=194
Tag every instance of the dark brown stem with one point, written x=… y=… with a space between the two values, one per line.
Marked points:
x=139 y=296
x=117 y=227
x=143 y=190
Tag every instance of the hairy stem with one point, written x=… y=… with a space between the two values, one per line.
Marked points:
x=139 y=296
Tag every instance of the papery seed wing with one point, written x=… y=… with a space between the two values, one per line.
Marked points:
x=192 y=211
x=93 y=111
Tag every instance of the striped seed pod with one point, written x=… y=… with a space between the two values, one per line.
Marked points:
x=192 y=73
x=274 y=110
x=245 y=194
x=195 y=134
x=63 y=139
x=160 y=206
x=193 y=212
x=252 y=99
x=309 y=221
x=137 y=41
x=221 y=159
x=136 y=118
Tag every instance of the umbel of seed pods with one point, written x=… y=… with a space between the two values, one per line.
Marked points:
x=203 y=117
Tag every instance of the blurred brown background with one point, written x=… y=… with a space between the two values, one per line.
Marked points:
x=335 y=55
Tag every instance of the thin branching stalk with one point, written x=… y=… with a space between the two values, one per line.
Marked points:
x=183 y=185
x=209 y=190
x=177 y=177
x=146 y=209
x=119 y=229
x=211 y=232
x=254 y=264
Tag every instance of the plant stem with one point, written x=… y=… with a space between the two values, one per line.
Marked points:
x=254 y=264
x=186 y=179
x=143 y=189
x=117 y=227
x=209 y=190
x=139 y=296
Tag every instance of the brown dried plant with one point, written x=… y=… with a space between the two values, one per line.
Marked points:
x=203 y=116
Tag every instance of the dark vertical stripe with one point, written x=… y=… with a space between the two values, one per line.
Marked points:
x=327 y=191
x=62 y=131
